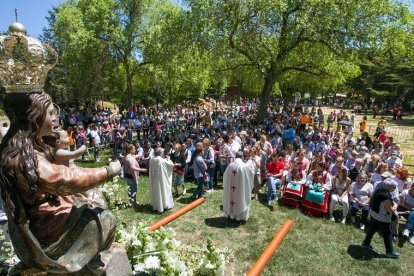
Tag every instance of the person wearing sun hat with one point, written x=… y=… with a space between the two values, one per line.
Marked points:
x=106 y=133
x=393 y=161
x=243 y=139
x=386 y=177
x=243 y=132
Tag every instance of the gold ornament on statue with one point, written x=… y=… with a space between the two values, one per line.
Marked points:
x=24 y=61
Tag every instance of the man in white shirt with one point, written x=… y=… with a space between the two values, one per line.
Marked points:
x=96 y=141
x=234 y=147
x=235 y=137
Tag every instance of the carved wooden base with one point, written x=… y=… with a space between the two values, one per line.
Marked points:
x=112 y=262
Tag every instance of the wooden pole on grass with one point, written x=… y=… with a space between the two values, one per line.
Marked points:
x=270 y=249
x=177 y=214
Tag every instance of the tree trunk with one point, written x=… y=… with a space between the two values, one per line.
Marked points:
x=265 y=96
x=128 y=73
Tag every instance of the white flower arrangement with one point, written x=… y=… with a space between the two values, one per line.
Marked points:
x=112 y=191
x=8 y=256
x=158 y=252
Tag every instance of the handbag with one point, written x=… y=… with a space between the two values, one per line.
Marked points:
x=316 y=194
x=179 y=171
x=205 y=173
x=293 y=194
x=210 y=165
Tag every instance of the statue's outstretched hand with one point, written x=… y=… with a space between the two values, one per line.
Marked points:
x=115 y=165
x=82 y=149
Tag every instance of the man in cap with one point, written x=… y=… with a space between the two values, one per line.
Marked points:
x=382 y=210
x=243 y=140
x=386 y=177
x=106 y=131
x=395 y=195
x=394 y=161
x=364 y=154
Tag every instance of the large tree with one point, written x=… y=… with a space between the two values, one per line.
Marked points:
x=388 y=71
x=85 y=63
x=144 y=45
x=180 y=69
x=96 y=33
x=280 y=36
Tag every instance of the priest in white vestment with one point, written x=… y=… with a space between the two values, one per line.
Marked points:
x=237 y=189
x=160 y=182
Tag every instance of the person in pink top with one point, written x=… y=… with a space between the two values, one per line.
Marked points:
x=106 y=133
x=131 y=174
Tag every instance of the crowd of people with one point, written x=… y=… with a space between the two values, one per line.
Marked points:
x=295 y=153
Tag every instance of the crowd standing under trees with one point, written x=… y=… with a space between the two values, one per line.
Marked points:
x=316 y=162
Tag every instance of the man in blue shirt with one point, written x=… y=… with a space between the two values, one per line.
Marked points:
x=289 y=135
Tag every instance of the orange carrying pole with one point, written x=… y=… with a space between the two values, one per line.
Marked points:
x=270 y=249
x=177 y=214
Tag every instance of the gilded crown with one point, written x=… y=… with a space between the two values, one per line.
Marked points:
x=24 y=61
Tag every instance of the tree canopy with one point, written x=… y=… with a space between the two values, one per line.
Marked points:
x=156 y=50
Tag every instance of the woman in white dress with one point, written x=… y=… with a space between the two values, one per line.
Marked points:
x=340 y=189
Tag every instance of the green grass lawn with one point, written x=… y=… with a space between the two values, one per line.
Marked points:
x=312 y=247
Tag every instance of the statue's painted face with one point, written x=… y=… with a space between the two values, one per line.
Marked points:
x=49 y=122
